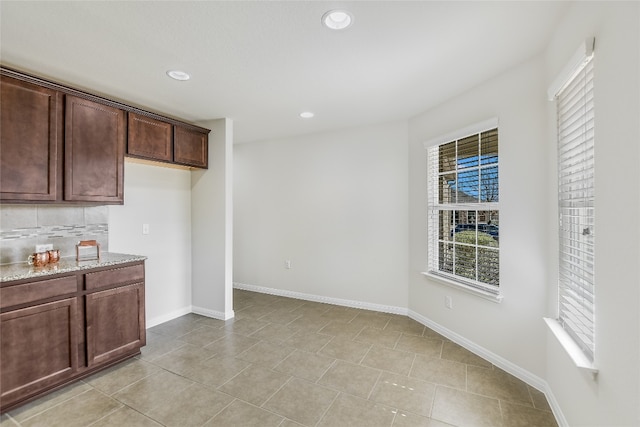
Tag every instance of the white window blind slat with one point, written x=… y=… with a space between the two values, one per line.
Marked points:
x=576 y=284
x=572 y=98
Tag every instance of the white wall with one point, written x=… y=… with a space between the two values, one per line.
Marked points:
x=614 y=399
x=335 y=204
x=513 y=330
x=161 y=197
x=190 y=219
x=212 y=225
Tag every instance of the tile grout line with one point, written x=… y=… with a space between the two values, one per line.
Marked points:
x=54 y=406
x=233 y=377
x=362 y=358
x=13 y=419
x=466 y=378
x=220 y=411
x=324 y=413
x=501 y=410
x=335 y=361
x=433 y=402
x=291 y=377
x=374 y=387
x=415 y=356
x=122 y=405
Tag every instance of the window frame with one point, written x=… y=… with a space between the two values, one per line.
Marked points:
x=572 y=344
x=487 y=291
x=574 y=107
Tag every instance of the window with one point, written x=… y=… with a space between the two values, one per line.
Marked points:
x=575 y=116
x=463 y=212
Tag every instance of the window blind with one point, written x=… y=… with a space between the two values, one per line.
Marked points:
x=575 y=115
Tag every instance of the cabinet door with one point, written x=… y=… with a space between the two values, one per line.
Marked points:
x=95 y=137
x=150 y=138
x=38 y=348
x=115 y=323
x=30 y=141
x=190 y=147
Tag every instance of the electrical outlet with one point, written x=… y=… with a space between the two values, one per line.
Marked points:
x=448 y=302
x=145 y=228
x=44 y=247
x=287 y=264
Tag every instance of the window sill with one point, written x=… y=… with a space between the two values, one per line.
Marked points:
x=497 y=298
x=573 y=350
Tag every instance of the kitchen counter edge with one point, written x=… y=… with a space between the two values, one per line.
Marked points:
x=21 y=271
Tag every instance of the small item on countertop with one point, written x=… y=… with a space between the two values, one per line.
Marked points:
x=38 y=259
x=54 y=256
x=87 y=250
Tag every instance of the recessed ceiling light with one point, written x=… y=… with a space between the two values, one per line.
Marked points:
x=337 y=19
x=178 y=75
x=306 y=114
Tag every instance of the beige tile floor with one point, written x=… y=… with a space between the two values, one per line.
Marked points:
x=286 y=362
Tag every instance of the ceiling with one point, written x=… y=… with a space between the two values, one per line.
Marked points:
x=261 y=63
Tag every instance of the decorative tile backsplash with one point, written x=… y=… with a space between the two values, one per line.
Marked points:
x=22 y=227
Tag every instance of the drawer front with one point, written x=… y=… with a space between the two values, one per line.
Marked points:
x=115 y=276
x=42 y=289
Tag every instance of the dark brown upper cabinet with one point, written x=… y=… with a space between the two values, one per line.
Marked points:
x=31 y=142
x=150 y=138
x=56 y=147
x=59 y=144
x=95 y=137
x=158 y=140
x=190 y=147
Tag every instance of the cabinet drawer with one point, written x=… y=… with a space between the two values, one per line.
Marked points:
x=115 y=276
x=31 y=292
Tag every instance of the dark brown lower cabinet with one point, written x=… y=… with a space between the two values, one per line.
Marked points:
x=114 y=310
x=39 y=347
x=57 y=330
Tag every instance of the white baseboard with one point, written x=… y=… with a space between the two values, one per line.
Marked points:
x=499 y=361
x=150 y=323
x=555 y=407
x=186 y=310
x=318 y=298
x=221 y=315
x=502 y=363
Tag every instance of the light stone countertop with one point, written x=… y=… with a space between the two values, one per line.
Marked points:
x=19 y=271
